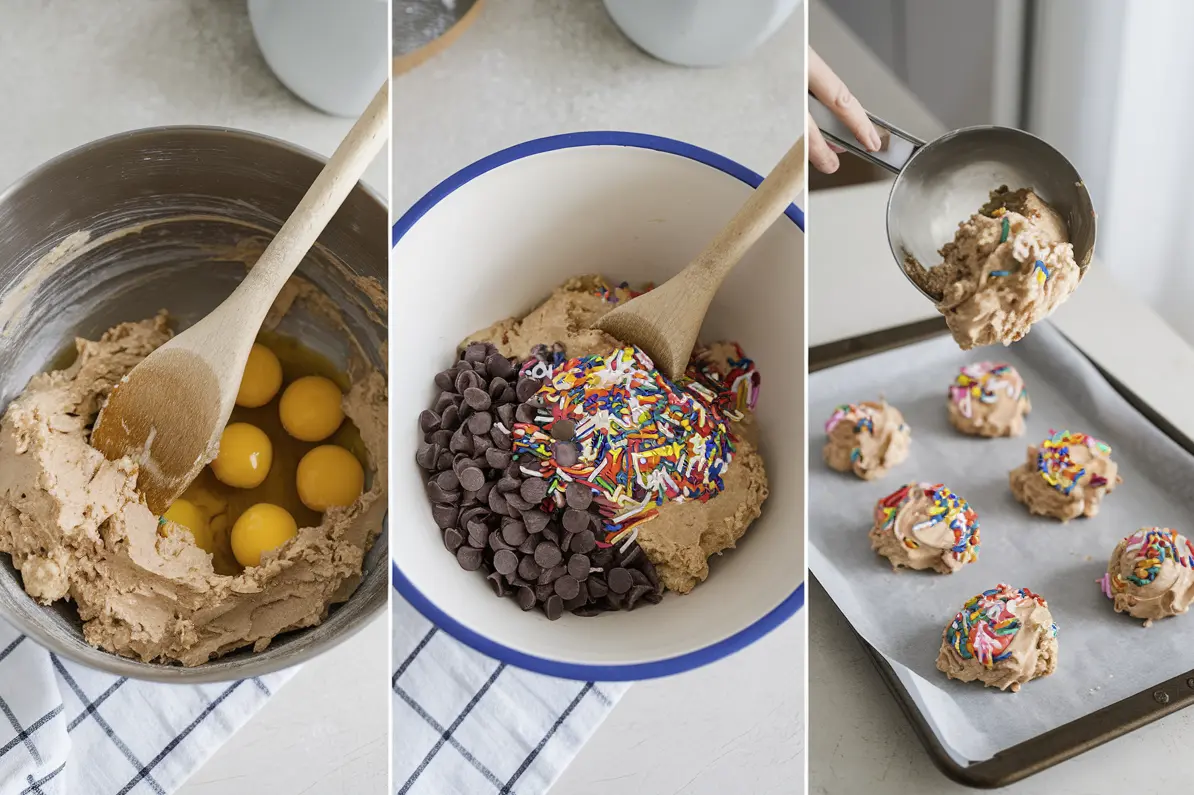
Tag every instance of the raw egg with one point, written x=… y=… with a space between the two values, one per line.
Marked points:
x=310 y=408
x=329 y=476
x=262 y=378
x=261 y=528
x=245 y=456
x=188 y=516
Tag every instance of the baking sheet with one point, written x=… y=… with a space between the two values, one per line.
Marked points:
x=1103 y=656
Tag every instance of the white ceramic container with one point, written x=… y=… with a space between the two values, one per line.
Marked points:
x=491 y=242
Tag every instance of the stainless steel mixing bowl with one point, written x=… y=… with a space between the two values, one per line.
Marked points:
x=170 y=214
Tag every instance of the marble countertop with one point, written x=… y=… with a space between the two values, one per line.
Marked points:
x=114 y=67
x=529 y=68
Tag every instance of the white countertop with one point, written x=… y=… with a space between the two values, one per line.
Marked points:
x=528 y=69
x=74 y=72
x=860 y=741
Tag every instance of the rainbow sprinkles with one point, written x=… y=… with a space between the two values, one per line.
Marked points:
x=1057 y=466
x=988 y=624
x=947 y=507
x=984 y=381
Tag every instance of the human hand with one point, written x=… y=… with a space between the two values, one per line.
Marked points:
x=833 y=93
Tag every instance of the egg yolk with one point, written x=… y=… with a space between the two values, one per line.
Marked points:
x=245 y=456
x=329 y=476
x=262 y=378
x=310 y=408
x=261 y=528
x=186 y=515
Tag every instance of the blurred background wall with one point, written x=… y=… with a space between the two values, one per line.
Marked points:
x=1108 y=82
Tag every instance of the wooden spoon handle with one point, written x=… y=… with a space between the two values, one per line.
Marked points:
x=315 y=210
x=765 y=205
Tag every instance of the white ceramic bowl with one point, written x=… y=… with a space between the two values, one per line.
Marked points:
x=492 y=241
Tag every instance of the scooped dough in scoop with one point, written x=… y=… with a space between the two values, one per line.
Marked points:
x=1009 y=266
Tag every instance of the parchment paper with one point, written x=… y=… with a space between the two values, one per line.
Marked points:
x=1103 y=656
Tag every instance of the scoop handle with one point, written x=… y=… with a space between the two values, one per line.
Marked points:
x=899 y=148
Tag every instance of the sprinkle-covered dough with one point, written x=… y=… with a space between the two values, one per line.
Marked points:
x=1003 y=637
x=866 y=438
x=988 y=399
x=1151 y=574
x=1009 y=266
x=925 y=526
x=1066 y=476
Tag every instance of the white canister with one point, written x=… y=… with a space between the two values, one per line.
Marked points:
x=700 y=32
x=334 y=54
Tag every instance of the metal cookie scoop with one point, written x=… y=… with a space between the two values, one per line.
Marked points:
x=941 y=183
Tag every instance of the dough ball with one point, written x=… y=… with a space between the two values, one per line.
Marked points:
x=1003 y=638
x=988 y=399
x=1066 y=476
x=866 y=439
x=925 y=526
x=1151 y=574
x=310 y=408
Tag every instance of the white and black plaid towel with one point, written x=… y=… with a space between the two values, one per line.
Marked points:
x=68 y=729
x=465 y=724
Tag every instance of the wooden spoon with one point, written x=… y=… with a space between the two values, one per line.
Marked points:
x=168 y=413
x=665 y=321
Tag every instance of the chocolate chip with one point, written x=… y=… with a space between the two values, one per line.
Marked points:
x=498 y=459
x=472 y=478
x=587 y=611
x=428 y=420
x=480 y=423
x=496 y=387
x=444 y=400
x=602 y=558
x=631 y=558
x=525 y=598
x=652 y=575
x=506 y=415
x=500 y=438
x=480 y=445
x=476 y=512
x=654 y=597
x=547 y=555
x=441 y=438
x=639 y=578
x=469 y=498
x=578 y=567
x=449 y=420
x=533 y=490
x=499 y=366
x=563 y=430
x=566 y=453
x=567 y=587
x=527 y=547
x=615 y=600
x=483 y=492
x=461 y=442
x=517 y=502
x=575 y=521
x=526 y=388
x=453 y=538
x=514 y=532
x=636 y=593
x=543 y=591
x=597 y=587
x=469 y=558
x=496 y=542
x=619 y=580
x=583 y=542
x=477 y=399
x=478 y=533
x=551 y=532
x=464 y=380
x=426 y=455
x=508 y=484
x=437 y=494
x=525 y=413
x=552 y=574
x=553 y=607
x=445 y=379
x=444 y=461
x=447 y=480
x=475 y=352
x=505 y=562
x=578 y=496
x=528 y=569
x=445 y=516
x=566 y=541
x=515 y=470
x=535 y=521
x=497 y=503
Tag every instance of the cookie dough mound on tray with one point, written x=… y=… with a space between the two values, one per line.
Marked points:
x=1003 y=638
x=1009 y=266
x=988 y=399
x=1151 y=574
x=925 y=526
x=1066 y=476
x=867 y=439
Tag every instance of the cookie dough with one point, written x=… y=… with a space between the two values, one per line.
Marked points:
x=1066 y=476
x=694 y=498
x=77 y=528
x=1009 y=266
x=866 y=438
x=925 y=526
x=1003 y=638
x=988 y=399
x=1151 y=574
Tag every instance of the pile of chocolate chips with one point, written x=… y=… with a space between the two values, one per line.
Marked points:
x=497 y=518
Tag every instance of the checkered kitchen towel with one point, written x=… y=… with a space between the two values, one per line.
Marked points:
x=465 y=724
x=65 y=729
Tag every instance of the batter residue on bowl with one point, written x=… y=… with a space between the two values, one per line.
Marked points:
x=574 y=474
x=153 y=588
